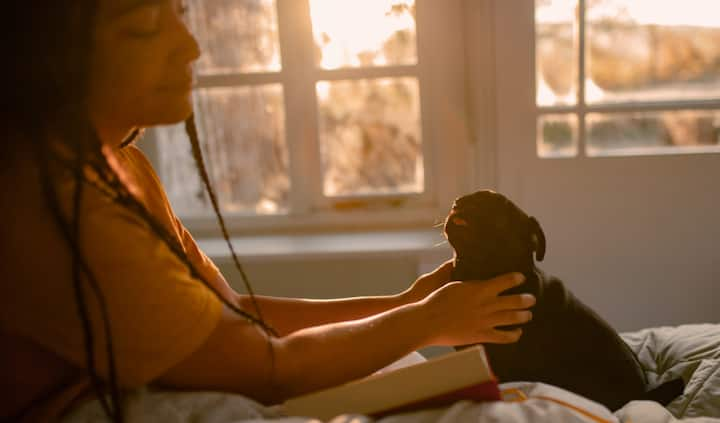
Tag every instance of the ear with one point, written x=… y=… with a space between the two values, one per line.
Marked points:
x=538 y=239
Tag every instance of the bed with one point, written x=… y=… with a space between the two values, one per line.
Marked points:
x=688 y=351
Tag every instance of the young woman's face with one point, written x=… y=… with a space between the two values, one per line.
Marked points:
x=141 y=68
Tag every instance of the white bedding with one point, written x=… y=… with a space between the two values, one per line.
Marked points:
x=688 y=351
x=225 y=408
x=691 y=352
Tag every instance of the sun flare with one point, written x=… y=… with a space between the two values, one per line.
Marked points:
x=345 y=30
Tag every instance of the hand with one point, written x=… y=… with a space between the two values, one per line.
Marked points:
x=461 y=313
x=429 y=282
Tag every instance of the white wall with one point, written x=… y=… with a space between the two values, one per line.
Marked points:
x=634 y=237
x=326 y=278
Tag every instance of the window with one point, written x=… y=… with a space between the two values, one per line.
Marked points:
x=321 y=111
x=620 y=77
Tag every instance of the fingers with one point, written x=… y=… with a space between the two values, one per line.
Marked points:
x=504 y=282
x=503 y=336
x=511 y=302
x=506 y=318
x=444 y=271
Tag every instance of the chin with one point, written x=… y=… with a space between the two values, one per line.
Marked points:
x=169 y=115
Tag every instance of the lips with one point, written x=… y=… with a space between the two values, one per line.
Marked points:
x=180 y=79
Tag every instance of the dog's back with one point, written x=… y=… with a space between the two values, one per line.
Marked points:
x=566 y=344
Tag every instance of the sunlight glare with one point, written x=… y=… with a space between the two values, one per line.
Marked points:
x=593 y=93
x=547 y=97
x=700 y=13
x=345 y=29
x=555 y=11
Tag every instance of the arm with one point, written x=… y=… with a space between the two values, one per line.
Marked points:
x=238 y=357
x=287 y=315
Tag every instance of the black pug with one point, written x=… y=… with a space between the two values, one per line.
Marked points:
x=566 y=344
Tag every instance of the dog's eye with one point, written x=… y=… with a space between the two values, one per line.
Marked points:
x=459 y=221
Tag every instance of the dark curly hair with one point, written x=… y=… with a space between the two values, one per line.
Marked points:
x=50 y=46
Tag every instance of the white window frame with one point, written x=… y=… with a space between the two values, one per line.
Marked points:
x=581 y=109
x=449 y=170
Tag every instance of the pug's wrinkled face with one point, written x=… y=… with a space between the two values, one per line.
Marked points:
x=490 y=230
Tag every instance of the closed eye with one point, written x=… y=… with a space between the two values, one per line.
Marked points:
x=142 y=21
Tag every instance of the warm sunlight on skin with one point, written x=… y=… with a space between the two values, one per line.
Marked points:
x=344 y=29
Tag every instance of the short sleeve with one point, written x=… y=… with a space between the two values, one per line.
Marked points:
x=159 y=314
x=204 y=264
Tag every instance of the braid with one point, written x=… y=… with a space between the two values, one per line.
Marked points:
x=134 y=135
x=191 y=129
x=117 y=415
x=119 y=193
x=71 y=233
x=110 y=185
x=47 y=102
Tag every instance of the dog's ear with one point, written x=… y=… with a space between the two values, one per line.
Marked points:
x=538 y=239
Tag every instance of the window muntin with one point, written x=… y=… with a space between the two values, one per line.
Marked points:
x=236 y=109
x=646 y=68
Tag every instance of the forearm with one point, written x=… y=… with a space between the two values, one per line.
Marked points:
x=237 y=356
x=287 y=315
x=340 y=352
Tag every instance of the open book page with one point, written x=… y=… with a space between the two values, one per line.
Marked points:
x=408 y=360
x=437 y=382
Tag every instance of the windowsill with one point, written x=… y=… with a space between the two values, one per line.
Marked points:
x=405 y=243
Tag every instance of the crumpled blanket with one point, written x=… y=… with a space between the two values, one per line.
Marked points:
x=688 y=351
x=691 y=352
x=208 y=407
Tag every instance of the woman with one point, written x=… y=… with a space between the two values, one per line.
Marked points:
x=104 y=290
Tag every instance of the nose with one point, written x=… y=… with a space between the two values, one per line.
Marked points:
x=187 y=49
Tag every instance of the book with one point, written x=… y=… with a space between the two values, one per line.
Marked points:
x=440 y=381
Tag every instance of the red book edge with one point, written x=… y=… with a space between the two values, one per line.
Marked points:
x=486 y=391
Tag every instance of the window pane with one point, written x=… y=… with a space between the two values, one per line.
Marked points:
x=646 y=50
x=177 y=171
x=557 y=135
x=353 y=33
x=556 y=57
x=370 y=136
x=243 y=135
x=649 y=133
x=236 y=36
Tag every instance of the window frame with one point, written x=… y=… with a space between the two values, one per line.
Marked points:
x=582 y=108
x=446 y=138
